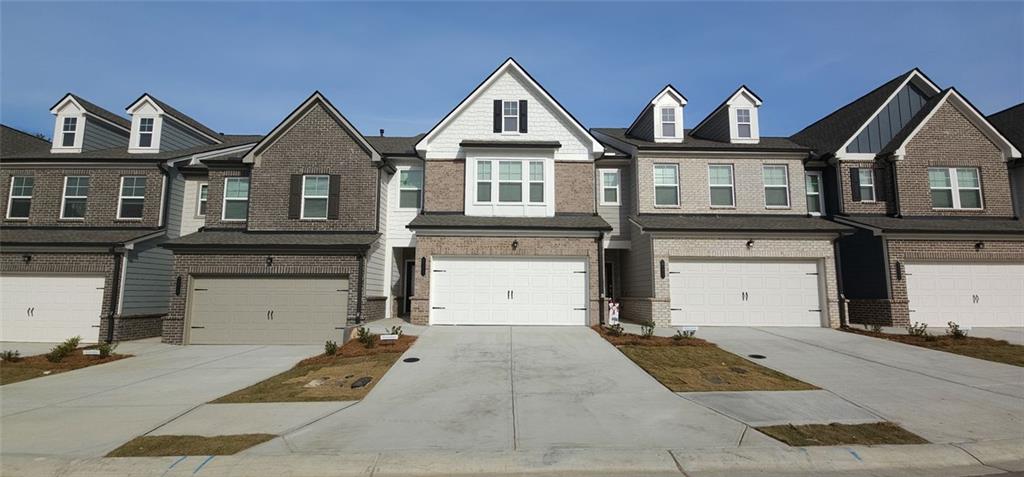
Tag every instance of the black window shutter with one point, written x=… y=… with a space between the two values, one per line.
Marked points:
x=855 y=184
x=497 y=115
x=522 y=115
x=333 y=193
x=880 y=184
x=295 y=197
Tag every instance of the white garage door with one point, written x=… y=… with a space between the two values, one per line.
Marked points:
x=267 y=310
x=722 y=293
x=973 y=294
x=50 y=308
x=508 y=291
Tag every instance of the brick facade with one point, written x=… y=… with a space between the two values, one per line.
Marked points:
x=188 y=266
x=101 y=204
x=574 y=187
x=444 y=186
x=429 y=246
x=883 y=188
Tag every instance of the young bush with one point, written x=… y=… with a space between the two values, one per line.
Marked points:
x=615 y=330
x=875 y=327
x=955 y=331
x=63 y=350
x=106 y=349
x=331 y=348
x=918 y=329
x=365 y=337
x=682 y=335
x=395 y=330
x=647 y=330
x=11 y=356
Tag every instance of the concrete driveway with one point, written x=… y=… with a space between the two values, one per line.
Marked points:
x=943 y=397
x=88 y=412
x=516 y=388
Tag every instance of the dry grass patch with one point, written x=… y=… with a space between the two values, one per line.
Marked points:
x=38 y=366
x=988 y=349
x=156 y=446
x=327 y=377
x=878 y=433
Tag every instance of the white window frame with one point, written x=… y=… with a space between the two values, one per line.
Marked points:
x=524 y=172
x=524 y=181
x=121 y=197
x=654 y=180
x=151 y=132
x=820 y=193
x=731 y=186
x=504 y=116
x=326 y=197
x=749 y=122
x=618 y=186
x=73 y=132
x=495 y=208
x=11 y=197
x=662 y=122
x=954 y=188
x=64 y=198
x=789 y=200
x=860 y=183
x=491 y=173
x=200 y=200
x=529 y=182
x=419 y=190
x=225 y=199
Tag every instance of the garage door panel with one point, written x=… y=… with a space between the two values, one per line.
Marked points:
x=61 y=307
x=970 y=294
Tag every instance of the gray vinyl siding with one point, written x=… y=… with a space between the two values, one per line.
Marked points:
x=617 y=216
x=375 y=263
x=644 y=128
x=176 y=199
x=147 y=279
x=638 y=269
x=889 y=121
x=716 y=127
x=175 y=136
x=98 y=135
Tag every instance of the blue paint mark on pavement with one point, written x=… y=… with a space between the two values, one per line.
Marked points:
x=854 y=454
x=208 y=459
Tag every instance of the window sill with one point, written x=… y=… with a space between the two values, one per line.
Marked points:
x=610 y=204
x=954 y=209
x=234 y=220
x=677 y=206
x=313 y=219
x=777 y=207
x=17 y=219
x=129 y=219
x=72 y=219
x=723 y=207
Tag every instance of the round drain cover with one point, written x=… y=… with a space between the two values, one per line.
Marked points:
x=756 y=356
x=410 y=360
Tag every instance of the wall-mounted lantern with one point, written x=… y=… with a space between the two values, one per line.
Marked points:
x=899 y=270
x=662 y=269
x=26 y=258
x=979 y=246
x=750 y=244
x=270 y=261
x=177 y=286
x=423 y=266
x=515 y=244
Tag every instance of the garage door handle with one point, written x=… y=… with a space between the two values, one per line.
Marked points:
x=271 y=315
x=439 y=271
x=438 y=308
x=582 y=309
x=200 y=289
x=815 y=311
x=675 y=309
x=584 y=271
x=198 y=327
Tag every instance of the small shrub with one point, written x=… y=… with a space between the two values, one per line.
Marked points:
x=918 y=329
x=876 y=328
x=331 y=348
x=106 y=349
x=955 y=331
x=365 y=337
x=647 y=329
x=682 y=335
x=395 y=330
x=11 y=356
x=615 y=330
x=63 y=350
x=73 y=342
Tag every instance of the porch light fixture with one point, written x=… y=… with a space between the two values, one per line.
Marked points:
x=750 y=244
x=662 y=269
x=423 y=266
x=899 y=270
x=979 y=246
x=26 y=258
x=515 y=244
x=270 y=261
x=177 y=286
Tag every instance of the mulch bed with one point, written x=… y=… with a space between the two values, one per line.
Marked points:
x=873 y=434
x=626 y=339
x=157 y=446
x=36 y=366
x=988 y=349
x=354 y=348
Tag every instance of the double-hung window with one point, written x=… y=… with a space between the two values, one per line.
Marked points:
x=668 y=122
x=866 y=179
x=236 y=199
x=510 y=116
x=743 y=127
x=483 y=181
x=955 y=188
x=610 y=187
x=76 y=193
x=720 y=181
x=536 y=182
x=776 y=186
x=315 y=190
x=812 y=182
x=146 y=132
x=19 y=202
x=518 y=182
x=204 y=190
x=410 y=188
x=666 y=185
x=133 y=197
x=510 y=181
x=68 y=130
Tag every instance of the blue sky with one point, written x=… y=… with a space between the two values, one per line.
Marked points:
x=241 y=67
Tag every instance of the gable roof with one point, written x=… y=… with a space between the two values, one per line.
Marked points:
x=13 y=142
x=94 y=110
x=180 y=116
x=668 y=89
x=951 y=96
x=294 y=116
x=691 y=143
x=832 y=133
x=395 y=145
x=742 y=89
x=121 y=153
x=1010 y=122
x=509 y=64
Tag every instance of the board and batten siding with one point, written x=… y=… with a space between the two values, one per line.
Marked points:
x=147 y=279
x=175 y=197
x=616 y=215
x=99 y=136
x=378 y=255
x=191 y=221
x=889 y=121
x=175 y=136
x=398 y=235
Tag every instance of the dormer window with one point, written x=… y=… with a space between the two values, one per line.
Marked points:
x=68 y=130
x=668 y=122
x=146 y=132
x=510 y=116
x=743 y=126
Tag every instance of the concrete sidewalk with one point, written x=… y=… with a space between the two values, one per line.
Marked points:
x=984 y=458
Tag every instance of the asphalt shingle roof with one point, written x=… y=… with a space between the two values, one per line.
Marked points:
x=976 y=225
x=737 y=223
x=180 y=116
x=230 y=140
x=690 y=143
x=828 y=134
x=558 y=222
x=242 y=238
x=394 y=145
x=102 y=113
x=14 y=142
x=1010 y=122
x=15 y=235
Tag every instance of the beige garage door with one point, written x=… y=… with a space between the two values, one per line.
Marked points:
x=267 y=310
